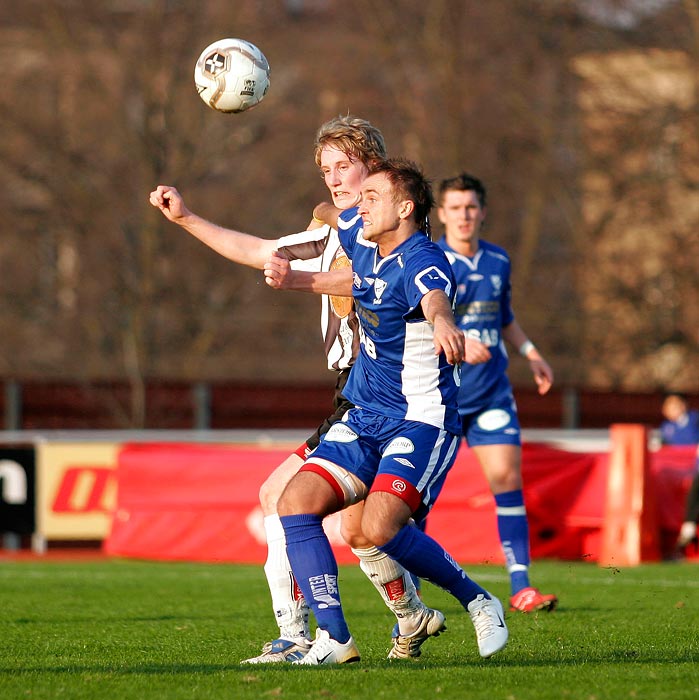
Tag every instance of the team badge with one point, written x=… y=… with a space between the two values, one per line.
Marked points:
x=379 y=289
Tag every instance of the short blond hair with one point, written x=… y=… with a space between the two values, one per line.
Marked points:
x=353 y=136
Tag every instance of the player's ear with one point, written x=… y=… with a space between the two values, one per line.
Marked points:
x=406 y=208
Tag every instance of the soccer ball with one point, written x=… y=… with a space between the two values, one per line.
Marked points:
x=232 y=75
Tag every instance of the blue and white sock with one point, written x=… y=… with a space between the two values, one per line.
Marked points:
x=426 y=558
x=315 y=568
x=513 y=529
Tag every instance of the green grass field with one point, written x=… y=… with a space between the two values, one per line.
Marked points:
x=123 y=629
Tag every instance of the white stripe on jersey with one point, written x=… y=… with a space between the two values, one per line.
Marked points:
x=432 y=270
x=420 y=376
x=473 y=262
x=435 y=468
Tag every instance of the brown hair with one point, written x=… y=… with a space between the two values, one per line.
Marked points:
x=353 y=136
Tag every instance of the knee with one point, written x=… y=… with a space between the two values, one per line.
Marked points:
x=353 y=535
x=269 y=496
x=374 y=532
x=504 y=480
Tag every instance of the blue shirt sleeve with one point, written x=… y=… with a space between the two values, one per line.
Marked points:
x=425 y=273
x=349 y=224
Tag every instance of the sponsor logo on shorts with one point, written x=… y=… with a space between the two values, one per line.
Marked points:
x=401 y=445
x=493 y=420
x=340 y=433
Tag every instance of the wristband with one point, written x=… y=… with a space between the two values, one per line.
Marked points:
x=526 y=347
x=316 y=219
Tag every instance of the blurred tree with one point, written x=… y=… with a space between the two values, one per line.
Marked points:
x=579 y=115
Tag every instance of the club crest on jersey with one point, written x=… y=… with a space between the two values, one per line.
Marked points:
x=379 y=288
x=496 y=281
x=356 y=280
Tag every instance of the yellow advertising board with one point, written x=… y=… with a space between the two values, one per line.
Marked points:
x=75 y=490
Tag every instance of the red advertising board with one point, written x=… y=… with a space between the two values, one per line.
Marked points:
x=200 y=502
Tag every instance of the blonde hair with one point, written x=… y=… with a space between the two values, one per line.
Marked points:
x=353 y=136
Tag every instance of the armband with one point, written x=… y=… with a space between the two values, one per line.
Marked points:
x=317 y=220
x=526 y=347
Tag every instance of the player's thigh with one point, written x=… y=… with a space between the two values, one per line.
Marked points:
x=276 y=482
x=501 y=466
x=308 y=493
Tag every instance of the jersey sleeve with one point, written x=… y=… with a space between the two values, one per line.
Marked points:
x=507 y=314
x=349 y=225
x=425 y=273
x=305 y=249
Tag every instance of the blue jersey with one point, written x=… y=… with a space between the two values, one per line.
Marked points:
x=483 y=308
x=397 y=373
x=684 y=431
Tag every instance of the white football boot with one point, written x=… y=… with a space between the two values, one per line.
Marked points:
x=326 y=650
x=488 y=619
x=428 y=623
x=281 y=650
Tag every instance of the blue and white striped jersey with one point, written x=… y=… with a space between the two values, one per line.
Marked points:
x=397 y=373
x=483 y=308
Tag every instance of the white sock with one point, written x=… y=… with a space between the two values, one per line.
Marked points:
x=288 y=603
x=394 y=584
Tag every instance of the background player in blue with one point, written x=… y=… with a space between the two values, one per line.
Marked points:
x=680 y=427
x=486 y=404
x=395 y=448
x=681 y=424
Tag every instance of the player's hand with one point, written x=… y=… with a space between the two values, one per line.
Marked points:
x=278 y=272
x=475 y=352
x=326 y=213
x=169 y=201
x=543 y=374
x=448 y=339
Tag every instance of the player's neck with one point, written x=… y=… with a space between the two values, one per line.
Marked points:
x=467 y=247
x=390 y=240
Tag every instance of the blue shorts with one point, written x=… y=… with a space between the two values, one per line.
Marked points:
x=403 y=457
x=495 y=423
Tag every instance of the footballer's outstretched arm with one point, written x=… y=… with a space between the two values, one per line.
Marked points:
x=237 y=246
x=280 y=275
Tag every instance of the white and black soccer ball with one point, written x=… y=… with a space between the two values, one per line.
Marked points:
x=232 y=75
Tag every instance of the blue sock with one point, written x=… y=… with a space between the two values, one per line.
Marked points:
x=315 y=569
x=424 y=557
x=513 y=529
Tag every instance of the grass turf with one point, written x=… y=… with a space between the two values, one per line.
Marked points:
x=127 y=629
